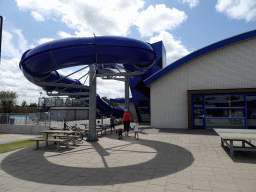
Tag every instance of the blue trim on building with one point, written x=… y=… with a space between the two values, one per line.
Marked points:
x=198 y=53
x=120 y=100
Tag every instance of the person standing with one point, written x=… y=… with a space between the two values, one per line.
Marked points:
x=112 y=123
x=136 y=129
x=126 y=121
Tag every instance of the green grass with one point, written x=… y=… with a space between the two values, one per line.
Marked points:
x=4 y=148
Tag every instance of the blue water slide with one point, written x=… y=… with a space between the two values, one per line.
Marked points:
x=39 y=64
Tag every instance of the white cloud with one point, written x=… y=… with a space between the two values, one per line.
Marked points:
x=159 y=18
x=174 y=48
x=13 y=43
x=45 y=40
x=239 y=9
x=102 y=18
x=63 y=34
x=110 y=88
x=105 y=88
x=8 y=48
x=192 y=3
x=37 y=16
x=87 y=17
x=12 y=79
x=12 y=64
x=22 y=42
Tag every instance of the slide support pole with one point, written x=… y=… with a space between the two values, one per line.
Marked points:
x=92 y=136
x=127 y=100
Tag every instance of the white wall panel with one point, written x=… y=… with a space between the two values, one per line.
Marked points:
x=233 y=66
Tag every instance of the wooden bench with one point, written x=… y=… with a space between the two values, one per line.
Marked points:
x=51 y=140
x=55 y=128
x=73 y=137
x=57 y=141
x=58 y=135
x=98 y=130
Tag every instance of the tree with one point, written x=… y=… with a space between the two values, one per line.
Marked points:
x=7 y=100
x=24 y=103
x=108 y=101
x=32 y=105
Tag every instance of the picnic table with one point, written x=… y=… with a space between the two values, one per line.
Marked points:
x=243 y=135
x=99 y=128
x=60 y=133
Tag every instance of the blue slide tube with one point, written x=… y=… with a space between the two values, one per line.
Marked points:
x=40 y=63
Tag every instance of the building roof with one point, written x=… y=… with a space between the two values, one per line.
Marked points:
x=199 y=53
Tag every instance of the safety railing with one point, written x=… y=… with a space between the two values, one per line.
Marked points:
x=26 y=118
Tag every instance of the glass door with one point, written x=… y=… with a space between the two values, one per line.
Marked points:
x=198 y=112
x=251 y=111
x=225 y=111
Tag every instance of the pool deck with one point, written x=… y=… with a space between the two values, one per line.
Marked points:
x=161 y=160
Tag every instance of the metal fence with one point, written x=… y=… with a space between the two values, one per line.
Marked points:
x=60 y=102
x=26 y=118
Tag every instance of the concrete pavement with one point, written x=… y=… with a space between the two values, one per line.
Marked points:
x=161 y=160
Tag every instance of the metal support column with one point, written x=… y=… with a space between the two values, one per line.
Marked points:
x=92 y=136
x=127 y=99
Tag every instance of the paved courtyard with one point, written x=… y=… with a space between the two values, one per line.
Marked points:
x=161 y=160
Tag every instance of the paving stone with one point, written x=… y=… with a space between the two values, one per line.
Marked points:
x=201 y=185
x=225 y=178
x=47 y=188
x=179 y=181
x=135 y=182
x=129 y=188
x=21 y=189
x=230 y=186
x=157 y=162
x=247 y=188
x=76 y=180
x=154 y=188
x=199 y=172
x=89 y=190
x=158 y=181
x=245 y=182
x=178 y=187
x=4 y=180
x=121 y=176
x=32 y=185
x=111 y=186
x=204 y=177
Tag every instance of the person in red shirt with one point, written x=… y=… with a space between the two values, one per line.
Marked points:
x=126 y=121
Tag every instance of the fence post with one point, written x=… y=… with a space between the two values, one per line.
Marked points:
x=45 y=119
x=37 y=119
x=26 y=116
x=49 y=120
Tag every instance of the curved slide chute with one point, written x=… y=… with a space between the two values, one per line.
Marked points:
x=39 y=64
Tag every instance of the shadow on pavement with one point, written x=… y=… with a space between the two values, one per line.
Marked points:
x=242 y=156
x=179 y=131
x=35 y=165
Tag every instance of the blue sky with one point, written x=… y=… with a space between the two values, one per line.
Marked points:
x=183 y=25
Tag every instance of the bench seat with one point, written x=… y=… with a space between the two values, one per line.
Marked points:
x=98 y=130
x=57 y=141
x=58 y=135
x=50 y=140
x=37 y=141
